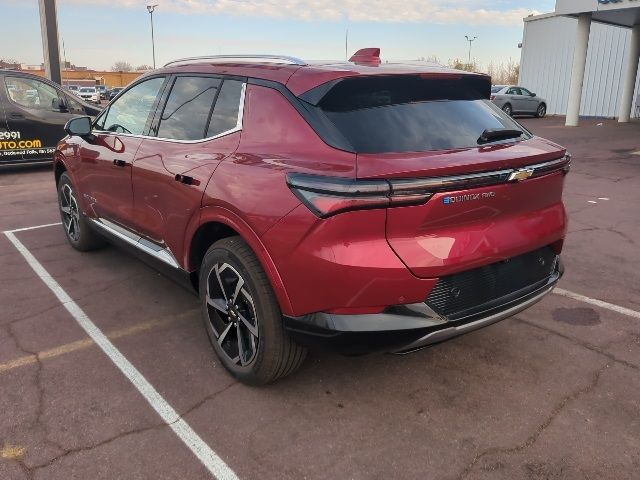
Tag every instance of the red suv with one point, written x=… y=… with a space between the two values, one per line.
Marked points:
x=358 y=205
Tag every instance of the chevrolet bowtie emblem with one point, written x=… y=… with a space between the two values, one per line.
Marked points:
x=520 y=175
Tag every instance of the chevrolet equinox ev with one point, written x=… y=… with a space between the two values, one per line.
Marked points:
x=362 y=206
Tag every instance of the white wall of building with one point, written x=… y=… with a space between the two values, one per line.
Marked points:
x=547 y=57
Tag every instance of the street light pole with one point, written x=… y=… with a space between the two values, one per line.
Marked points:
x=470 y=40
x=150 y=9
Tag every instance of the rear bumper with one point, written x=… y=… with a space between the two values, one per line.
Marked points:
x=405 y=328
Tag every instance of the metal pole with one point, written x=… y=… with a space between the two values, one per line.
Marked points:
x=346 y=44
x=153 y=43
x=50 y=43
x=150 y=9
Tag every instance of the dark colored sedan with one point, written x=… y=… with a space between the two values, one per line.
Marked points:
x=114 y=92
x=33 y=112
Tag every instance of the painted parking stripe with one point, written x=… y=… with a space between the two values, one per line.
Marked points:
x=597 y=303
x=191 y=439
x=33 y=228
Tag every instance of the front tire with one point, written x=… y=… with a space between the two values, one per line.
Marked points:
x=76 y=227
x=242 y=316
x=506 y=108
x=542 y=110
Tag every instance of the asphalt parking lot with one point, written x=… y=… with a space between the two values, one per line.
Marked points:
x=549 y=394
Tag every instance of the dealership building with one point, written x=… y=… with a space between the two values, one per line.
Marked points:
x=583 y=58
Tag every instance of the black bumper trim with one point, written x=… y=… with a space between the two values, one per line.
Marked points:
x=405 y=328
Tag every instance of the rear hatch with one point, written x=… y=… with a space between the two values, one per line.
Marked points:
x=486 y=189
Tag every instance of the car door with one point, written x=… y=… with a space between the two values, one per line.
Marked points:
x=515 y=98
x=529 y=101
x=36 y=113
x=103 y=172
x=198 y=126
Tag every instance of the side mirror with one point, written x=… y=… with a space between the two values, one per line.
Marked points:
x=79 y=126
x=533 y=94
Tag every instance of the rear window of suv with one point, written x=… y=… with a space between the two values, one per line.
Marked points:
x=396 y=114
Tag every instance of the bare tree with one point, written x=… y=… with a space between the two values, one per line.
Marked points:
x=505 y=73
x=466 y=66
x=143 y=68
x=121 y=66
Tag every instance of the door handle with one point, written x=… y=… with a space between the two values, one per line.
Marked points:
x=187 y=180
x=16 y=115
x=120 y=163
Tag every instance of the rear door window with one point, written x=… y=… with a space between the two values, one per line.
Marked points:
x=413 y=114
x=188 y=108
x=227 y=109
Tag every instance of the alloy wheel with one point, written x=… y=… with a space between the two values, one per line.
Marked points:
x=232 y=314
x=542 y=111
x=70 y=212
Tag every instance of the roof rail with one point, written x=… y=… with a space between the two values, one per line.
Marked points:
x=281 y=59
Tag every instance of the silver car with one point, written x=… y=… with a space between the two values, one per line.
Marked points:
x=518 y=100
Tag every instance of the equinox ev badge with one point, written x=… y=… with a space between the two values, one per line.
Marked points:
x=467 y=197
x=520 y=175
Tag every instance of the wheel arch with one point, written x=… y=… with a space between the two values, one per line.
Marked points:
x=217 y=223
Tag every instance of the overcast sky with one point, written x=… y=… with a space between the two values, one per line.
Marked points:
x=97 y=33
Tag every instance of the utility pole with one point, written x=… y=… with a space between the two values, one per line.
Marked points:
x=50 y=45
x=150 y=9
x=346 y=44
x=470 y=40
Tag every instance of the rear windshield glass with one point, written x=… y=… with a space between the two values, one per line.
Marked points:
x=413 y=114
x=496 y=88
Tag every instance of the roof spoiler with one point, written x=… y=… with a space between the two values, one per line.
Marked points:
x=366 y=56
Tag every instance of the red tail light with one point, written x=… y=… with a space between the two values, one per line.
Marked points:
x=493 y=97
x=326 y=196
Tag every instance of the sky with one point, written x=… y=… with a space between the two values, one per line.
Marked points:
x=98 y=33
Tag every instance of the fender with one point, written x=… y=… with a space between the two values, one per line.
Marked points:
x=222 y=215
x=60 y=158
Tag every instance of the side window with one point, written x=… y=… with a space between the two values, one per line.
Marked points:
x=513 y=91
x=188 y=107
x=129 y=113
x=31 y=93
x=73 y=105
x=226 y=110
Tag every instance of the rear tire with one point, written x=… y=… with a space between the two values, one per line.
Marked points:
x=506 y=108
x=542 y=110
x=242 y=316
x=79 y=233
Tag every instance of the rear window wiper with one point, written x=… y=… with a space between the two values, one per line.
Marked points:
x=491 y=134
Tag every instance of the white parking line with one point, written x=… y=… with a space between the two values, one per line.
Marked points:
x=597 y=303
x=32 y=228
x=191 y=439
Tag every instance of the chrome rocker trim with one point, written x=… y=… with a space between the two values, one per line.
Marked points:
x=156 y=251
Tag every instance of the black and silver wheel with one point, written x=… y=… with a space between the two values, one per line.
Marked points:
x=242 y=316
x=76 y=228
x=506 y=108
x=542 y=110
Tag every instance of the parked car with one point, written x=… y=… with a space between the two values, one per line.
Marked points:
x=103 y=91
x=518 y=100
x=33 y=112
x=358 y=205
x=89 y=94
x=73 y=88
x=114 y=92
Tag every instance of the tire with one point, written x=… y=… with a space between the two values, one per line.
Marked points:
x=541 y=111
x=79 y=233
x=234 y=312
x=506 y=108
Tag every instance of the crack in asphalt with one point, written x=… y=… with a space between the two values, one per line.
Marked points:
x=533 y=438
x=32 y=470
x=589 y=346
